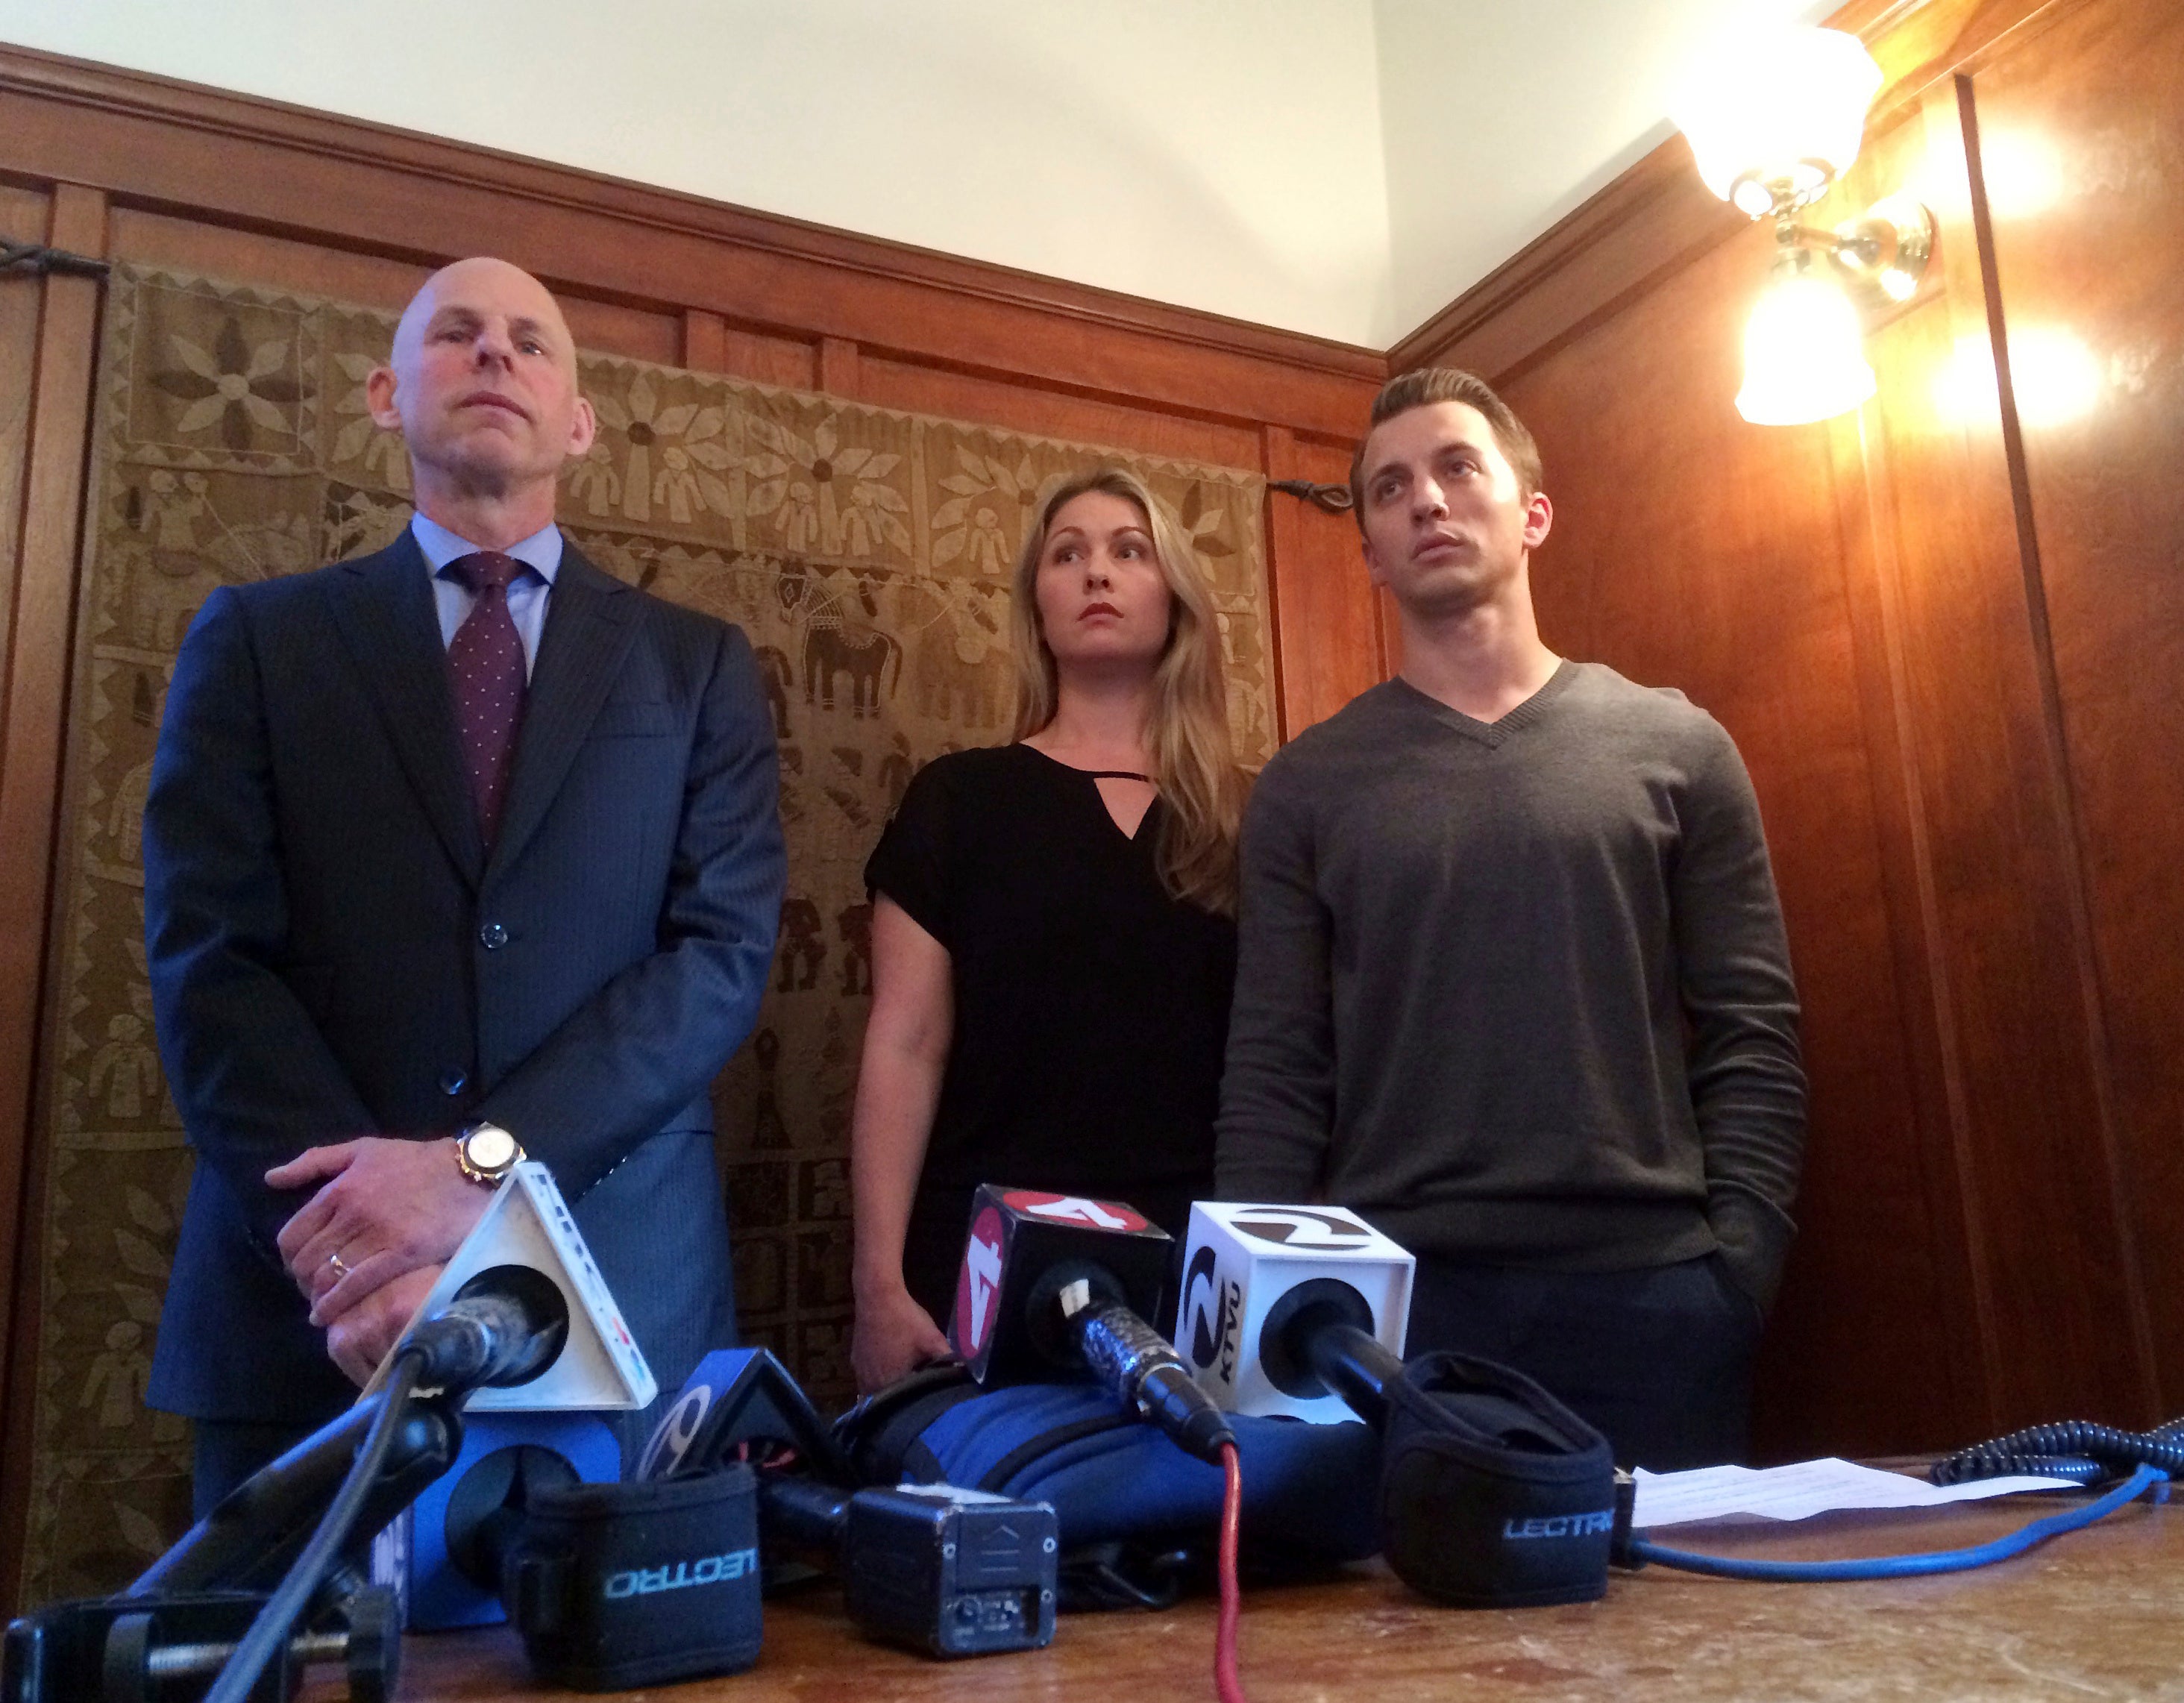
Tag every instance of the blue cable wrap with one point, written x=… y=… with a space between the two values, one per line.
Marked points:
x=1907 y=1566
x=1308 y=1489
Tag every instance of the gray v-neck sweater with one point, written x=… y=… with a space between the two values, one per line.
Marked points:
x=1518 y=991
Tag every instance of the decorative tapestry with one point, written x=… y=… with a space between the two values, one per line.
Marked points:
x=866 y=552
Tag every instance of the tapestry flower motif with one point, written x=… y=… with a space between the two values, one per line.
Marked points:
x=237 y=387
x=686 y=478
x=1202 y=524
x=383 y=452
x=826 y=496
x=984 y=517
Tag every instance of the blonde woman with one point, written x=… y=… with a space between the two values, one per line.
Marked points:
x=1054 y=941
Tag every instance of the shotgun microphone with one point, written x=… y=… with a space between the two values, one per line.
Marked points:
x=1057 y=1284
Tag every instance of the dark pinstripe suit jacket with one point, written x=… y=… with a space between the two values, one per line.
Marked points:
x=333 y=952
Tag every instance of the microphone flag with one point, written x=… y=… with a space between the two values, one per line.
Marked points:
x=1242 y=1261
x=1022 y=1245
x=527 y=1223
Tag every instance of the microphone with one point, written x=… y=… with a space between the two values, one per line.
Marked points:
x=1492 y=1493
x=505 y=1326
x=1057 y=1283
x=1296 y=1310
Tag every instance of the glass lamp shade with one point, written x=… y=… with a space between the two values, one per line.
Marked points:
x=1780 y=105
x=1802 y=360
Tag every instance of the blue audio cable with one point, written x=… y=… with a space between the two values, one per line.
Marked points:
x=1903 y=1567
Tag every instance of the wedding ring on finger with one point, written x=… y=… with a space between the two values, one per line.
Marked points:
x=340 y=1266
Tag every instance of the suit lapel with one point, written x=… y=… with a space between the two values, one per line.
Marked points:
x=383 y=606
x=590 y=621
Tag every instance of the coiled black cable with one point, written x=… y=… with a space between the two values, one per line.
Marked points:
x=2076 y=1450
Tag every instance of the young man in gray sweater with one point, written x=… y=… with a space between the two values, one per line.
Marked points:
x=1512 y=980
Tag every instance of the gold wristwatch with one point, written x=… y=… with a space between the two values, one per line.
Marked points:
x=486 y=1152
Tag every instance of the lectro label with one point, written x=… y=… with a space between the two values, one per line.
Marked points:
x=681 y=1575
x=1561 y=1526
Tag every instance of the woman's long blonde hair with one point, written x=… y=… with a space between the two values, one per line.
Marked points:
x=1194 y=758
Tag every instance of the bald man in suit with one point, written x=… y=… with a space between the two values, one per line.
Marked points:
x=464 y=833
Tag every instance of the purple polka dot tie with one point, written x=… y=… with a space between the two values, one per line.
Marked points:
x=485 y=667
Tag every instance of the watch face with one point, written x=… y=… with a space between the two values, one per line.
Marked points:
x=490 y=1147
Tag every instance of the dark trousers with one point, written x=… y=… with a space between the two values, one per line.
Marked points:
x=1658 y=1358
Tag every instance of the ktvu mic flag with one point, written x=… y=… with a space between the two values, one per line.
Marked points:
x=1243 y=1259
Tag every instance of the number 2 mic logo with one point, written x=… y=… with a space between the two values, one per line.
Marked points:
x=1210 y=1307
x=1297 y=1226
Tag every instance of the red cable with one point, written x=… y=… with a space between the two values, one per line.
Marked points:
x=1227 y=1686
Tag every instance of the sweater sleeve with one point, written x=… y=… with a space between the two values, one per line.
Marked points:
x=1277 y=1090
x=1747 y=1084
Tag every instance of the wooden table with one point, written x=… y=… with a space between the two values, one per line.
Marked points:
x=2094 y=1614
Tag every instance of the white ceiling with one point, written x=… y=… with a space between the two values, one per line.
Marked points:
x=1340 y=167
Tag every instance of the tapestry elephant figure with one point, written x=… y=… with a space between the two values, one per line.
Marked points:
x=944 y=680
x=861 y=652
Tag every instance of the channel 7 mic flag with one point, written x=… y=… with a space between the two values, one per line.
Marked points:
x=1023 y=1244
x=1242 y=1260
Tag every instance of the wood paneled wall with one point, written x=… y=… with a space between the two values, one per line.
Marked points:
x=1947 y=633
x=112 y=164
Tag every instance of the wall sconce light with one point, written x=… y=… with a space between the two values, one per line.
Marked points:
x=1773 y=118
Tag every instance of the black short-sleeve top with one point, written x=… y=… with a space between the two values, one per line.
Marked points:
x=1091 y=1007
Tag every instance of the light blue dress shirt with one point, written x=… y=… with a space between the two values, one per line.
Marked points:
x=527 y=594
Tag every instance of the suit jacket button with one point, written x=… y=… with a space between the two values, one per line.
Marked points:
x=453 y=1081
x=493 y=937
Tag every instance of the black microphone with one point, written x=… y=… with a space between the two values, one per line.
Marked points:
x=1060 y=1284
x=506 y=1326
x=1318 y=1336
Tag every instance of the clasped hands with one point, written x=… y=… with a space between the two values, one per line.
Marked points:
x=367 y=1247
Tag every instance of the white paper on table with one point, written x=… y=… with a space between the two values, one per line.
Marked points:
x=1799 y=1492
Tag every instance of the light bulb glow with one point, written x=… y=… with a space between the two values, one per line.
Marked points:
x=2053 y=375
x=2022 y=173
x=1802 y=359
x=1784 y=104
x=2054 y=378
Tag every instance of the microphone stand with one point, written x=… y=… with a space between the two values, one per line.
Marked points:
x=249 y=1541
